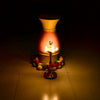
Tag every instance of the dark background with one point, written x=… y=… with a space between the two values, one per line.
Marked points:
x=79 y=18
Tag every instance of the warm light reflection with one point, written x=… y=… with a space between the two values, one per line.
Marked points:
x=46 y=97
x=55 y=97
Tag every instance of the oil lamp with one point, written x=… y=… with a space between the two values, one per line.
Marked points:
x=48 y=47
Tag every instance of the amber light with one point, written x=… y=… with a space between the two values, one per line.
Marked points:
x=46 y=39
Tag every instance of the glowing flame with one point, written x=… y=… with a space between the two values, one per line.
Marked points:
x=50 y=47
x=48 y=42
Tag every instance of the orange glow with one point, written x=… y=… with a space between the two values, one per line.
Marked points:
x=46 y=39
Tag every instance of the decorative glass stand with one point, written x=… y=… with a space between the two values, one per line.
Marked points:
x=48 y=58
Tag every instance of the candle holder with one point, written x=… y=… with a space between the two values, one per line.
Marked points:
x=48 y=58
x=50 y=74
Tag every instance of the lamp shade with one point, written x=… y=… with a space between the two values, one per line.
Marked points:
x=48 y=38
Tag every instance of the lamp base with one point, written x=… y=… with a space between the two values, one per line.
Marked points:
x=50 y=75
